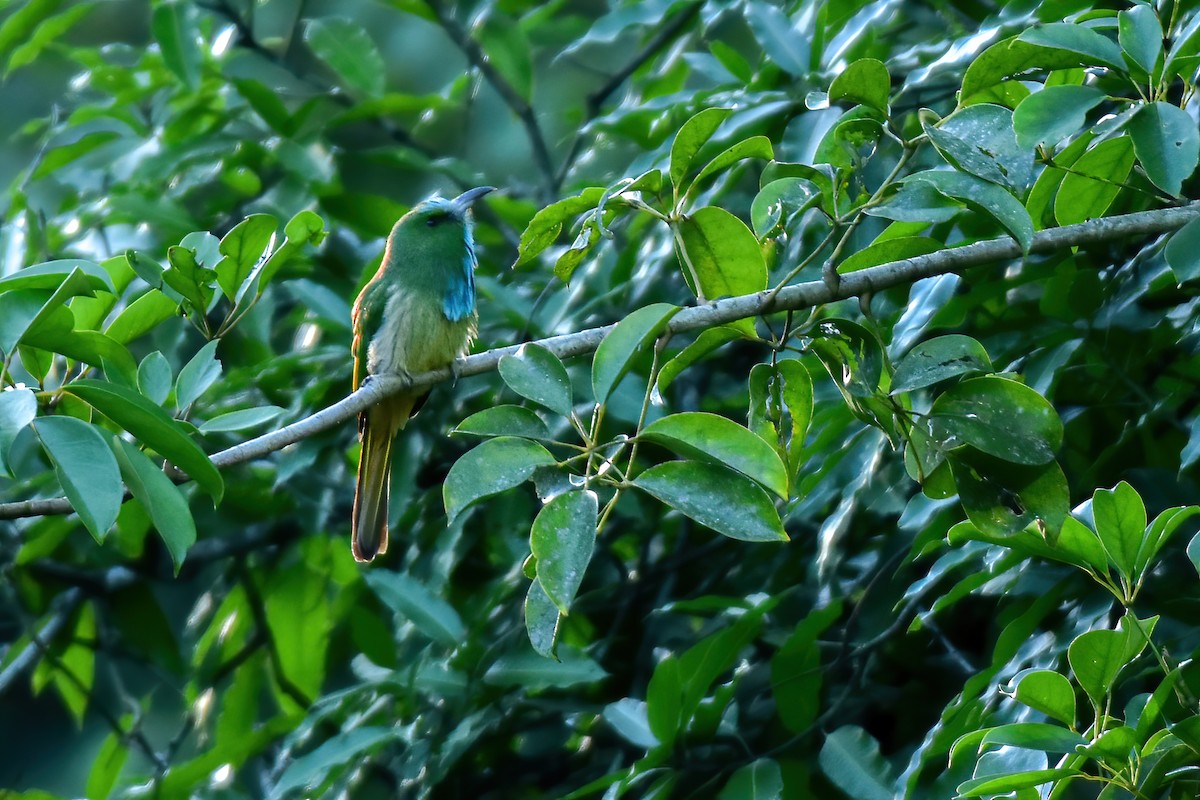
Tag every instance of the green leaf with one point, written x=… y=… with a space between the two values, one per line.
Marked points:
x=160 y=497
x=532 y=672
x=547 y=224
x=152 y=426
x=1053 y=113
x=174 y=28
x=1183 y=256
x=1013 y=57
x=1141 y=37
x=850 y=758
x=107 y=764
x=1097 y=657
x=154 y=377
x=142 y=316
x=197 y=375
x=628 y=718
x=538 y=375
x=410 y=599
x=508 y=50
x=187 y=276
x=720 y=254
x=1048 y=692
x=52 y=275
x=999 y=416
x=664 y=700
x=541 y=620
x=779 y=199
x=887 y=251
x=1120 y=518
x=979 y=139
x=939 y=359
x=754 y=147
x=713 y=438
x=1092 y=48
x=760 y=780
x=1159 y=532
x=18 y=408
x=783 y=45
x=865 y=81
x=1167 y=144
x=504 y=420
x=1002 y=498
x=621 y=345
x=916 y=202
x=694 y=134
x=1035 y=736
x=1094 y=181
x=85 y=467
x=716 y=497
x=349 y=51
x=64 y=154
x=243 y=248
x=985 y=197
x=311 y=770
x=492 y=467
x=709 y=340
x=243 y=419
x=562 y=540
x=22 y=22
x=992 y=785
x=796 y=676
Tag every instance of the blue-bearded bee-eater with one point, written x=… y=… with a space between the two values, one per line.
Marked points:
x=416 y=314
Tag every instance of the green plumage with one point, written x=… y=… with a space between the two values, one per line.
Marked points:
x=417 y=313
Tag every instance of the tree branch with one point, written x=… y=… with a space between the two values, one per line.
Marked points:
x=720 y=312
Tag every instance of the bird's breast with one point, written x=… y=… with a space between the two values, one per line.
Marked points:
x=415 y=336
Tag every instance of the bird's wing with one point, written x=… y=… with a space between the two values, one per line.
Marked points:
x=366 y=318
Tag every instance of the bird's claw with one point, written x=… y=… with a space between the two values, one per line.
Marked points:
x=456 y=369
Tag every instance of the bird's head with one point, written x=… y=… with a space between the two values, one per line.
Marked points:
x=438 y=220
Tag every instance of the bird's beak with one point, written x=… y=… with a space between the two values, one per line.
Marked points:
x=463 y=202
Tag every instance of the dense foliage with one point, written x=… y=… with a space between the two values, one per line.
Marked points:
x=912 y=521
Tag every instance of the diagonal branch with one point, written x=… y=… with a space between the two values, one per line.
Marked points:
x=720 y=312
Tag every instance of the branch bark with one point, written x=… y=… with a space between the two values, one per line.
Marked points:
x=790 y=298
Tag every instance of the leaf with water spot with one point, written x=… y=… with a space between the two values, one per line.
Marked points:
x=562 y=540
x=999 y=416
x=717 y=497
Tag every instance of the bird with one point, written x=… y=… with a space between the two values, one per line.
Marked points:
x=415 y=314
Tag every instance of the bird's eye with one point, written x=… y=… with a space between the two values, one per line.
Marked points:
x=433 y=220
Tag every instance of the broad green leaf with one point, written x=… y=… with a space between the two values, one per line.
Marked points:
x=242 y=248
x=504 y=420
x=1193 y=552
x=720 y=254
x=189 y=276
x=541 y=620
x=28 y=313
x=1094 y=181
x=142 y=316
x=1035 y=736
x=938 y=359
x=979 y=139
x=1002 y=498
x=1183 y=255
x=694 y=134
x=311 y=770
x=1094 y=49
x=1167 y=144
x=508 y=50
x=349 y=51
x=865 y=81
x=532 y=672
x=492 y=467
x=887 y=251
x=547 y=224
x=153 y=427
x=1048 y=692
x=197 y=375
x=243 y=419
x=64 y=154
x=985 y=197
x=621 y=345
x=174 y=27
x=538 y=375
x=1001 y=417
x=709 y=340
x=710 y=437
x=22 y=22
x=154 y=378
x=716 y=497
x=562 y=540
x=1159 y=532
x=1096 y=658
x=297 y=605
x=85 y=467
x=783 y=45
x=1052 y=114
x=1120 y=518
x=1014 y=57
x=160 y=497
x=52 y=274
x=916 y=202
x=628 y=718
x=993 y=785
x=779 y=199
x=760 y=780
x=18 y=407
x=796 y=676
x=850 y=758
x=108 y=761
x=406 y=596
x=1141 y=37
x=754 y=147
x=664 y=700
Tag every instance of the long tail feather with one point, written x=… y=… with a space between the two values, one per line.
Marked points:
x=369 y=534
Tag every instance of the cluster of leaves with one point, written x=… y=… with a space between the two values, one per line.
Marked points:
x=762 y=660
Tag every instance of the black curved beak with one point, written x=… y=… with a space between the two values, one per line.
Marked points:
x=464 y=201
